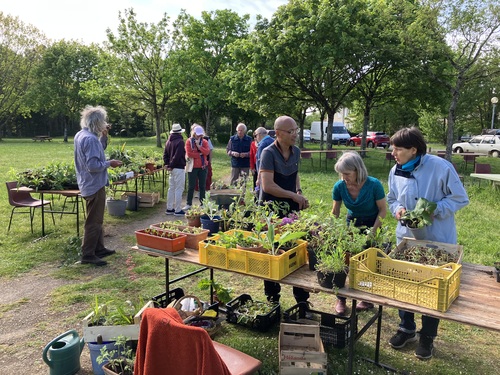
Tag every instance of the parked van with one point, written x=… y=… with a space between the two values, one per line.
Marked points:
x=340 y=135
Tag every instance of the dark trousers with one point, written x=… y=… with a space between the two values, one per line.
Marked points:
x=208 y=180
x=272 y=291
x=407 y=324
x=200 y=175
x=93 y=237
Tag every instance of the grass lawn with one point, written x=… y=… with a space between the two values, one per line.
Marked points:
x=461 y=349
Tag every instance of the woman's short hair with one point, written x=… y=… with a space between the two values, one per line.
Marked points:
x=351 y=162
x=408 y=138
x=94 y=119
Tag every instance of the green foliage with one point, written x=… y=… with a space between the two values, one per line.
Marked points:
x=223 y=293
x=114 y=312
x=121 y=360
x=421 y=215
x=54 y=176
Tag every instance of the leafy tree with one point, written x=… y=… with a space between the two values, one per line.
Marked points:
x=137 y=67
x=59 y=76
x=471 y=29
x=20 y=49
x=204 y=56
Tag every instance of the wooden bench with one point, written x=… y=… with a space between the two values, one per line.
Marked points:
x=42 y=138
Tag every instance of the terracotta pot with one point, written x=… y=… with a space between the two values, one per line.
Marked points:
x=194 y=221
x=150 y=241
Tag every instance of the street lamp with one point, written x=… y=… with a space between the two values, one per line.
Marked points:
x=494 y=101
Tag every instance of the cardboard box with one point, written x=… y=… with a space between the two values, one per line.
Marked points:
x=301 y=351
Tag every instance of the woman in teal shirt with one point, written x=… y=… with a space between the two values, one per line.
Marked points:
x=364 y=198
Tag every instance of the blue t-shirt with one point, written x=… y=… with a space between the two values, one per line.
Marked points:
x=365 y=205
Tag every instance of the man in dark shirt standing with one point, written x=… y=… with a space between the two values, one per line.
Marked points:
x=279 y=174
x=238 y=148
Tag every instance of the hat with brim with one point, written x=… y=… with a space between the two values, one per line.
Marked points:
x=176 y=128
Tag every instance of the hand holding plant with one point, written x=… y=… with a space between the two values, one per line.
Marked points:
x=420 y=216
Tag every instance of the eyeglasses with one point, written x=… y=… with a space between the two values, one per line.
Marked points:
x=291 y=131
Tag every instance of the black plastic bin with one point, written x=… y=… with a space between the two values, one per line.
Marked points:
x=261 y=322
x=162 y=301
x=334 y=330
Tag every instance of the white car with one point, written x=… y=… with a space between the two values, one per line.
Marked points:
x=307 y=135
x=481 y=144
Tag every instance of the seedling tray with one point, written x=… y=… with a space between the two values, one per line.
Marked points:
x=260 y=322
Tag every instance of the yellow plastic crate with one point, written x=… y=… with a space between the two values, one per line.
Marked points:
x=273 y=267
x=435 y=288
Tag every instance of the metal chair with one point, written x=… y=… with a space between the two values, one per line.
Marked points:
x=23 y=199
x=71 y=200
x=469 y=159
x=306 y=155
x=330 y=155
x=482 y=168
x=389 y=158
x=460 y=176
x=177 y=345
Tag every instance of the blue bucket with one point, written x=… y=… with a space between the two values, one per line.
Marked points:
x=95 y=351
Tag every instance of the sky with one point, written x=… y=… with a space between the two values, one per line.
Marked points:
x=86 y=21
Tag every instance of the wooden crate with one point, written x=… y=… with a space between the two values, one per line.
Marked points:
x=109 y=333
x=145 y=199
x=301 y=350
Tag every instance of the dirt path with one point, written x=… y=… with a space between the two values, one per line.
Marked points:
x=27 y=320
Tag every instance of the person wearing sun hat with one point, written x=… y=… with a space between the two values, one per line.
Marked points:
x=174 y=159
x=197 y=149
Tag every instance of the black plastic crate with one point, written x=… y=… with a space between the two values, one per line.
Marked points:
x=261 y=322
x=162 y=301
x=334 y=330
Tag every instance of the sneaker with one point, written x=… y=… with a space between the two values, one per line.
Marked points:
x=363 y=306
x=186 y=207
x=400 y=339
x=96 y=261
x=179 y=213
x=169 y=212
x=104 y=253
x=340 y=307
x=425 y=347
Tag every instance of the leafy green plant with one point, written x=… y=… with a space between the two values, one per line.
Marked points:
x=194 y=211
x=120 y=360
x=420 y=216
x=222 y=293
x=210 y=207
x=114 y=313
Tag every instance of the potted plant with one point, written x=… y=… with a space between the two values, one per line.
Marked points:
x=159 y=239
x=221 y=294
x=116 y=207
x=331 y=267
x=211 y=218
x=118 y=361
x=194 y=235
x=419 y=218
x=193 y=215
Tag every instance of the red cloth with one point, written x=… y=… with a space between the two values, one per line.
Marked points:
x=168 y=346
x=253 y=155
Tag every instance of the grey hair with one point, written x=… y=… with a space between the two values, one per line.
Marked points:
x=260 y=130
x=242 y=125
x=352 y=162
x=94 y=119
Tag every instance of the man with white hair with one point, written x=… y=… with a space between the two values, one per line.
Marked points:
x=238 y=148
x=92 y=177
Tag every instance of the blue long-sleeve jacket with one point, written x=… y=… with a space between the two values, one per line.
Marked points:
x=436 y=180
x=90 y=163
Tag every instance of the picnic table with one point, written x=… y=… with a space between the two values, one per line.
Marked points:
x=42 y=138
x=494 y=178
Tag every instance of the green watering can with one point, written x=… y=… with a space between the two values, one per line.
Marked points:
x=63 y=353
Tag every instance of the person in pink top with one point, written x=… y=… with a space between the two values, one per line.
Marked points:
x=197 y=149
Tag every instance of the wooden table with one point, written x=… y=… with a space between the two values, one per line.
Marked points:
x=494 y=178
x=478 y=303
x=42 y=138
x=67 y=193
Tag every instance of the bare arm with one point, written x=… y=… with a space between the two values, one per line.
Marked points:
x=336 y=208
x=270 y=187
x=382 y=212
